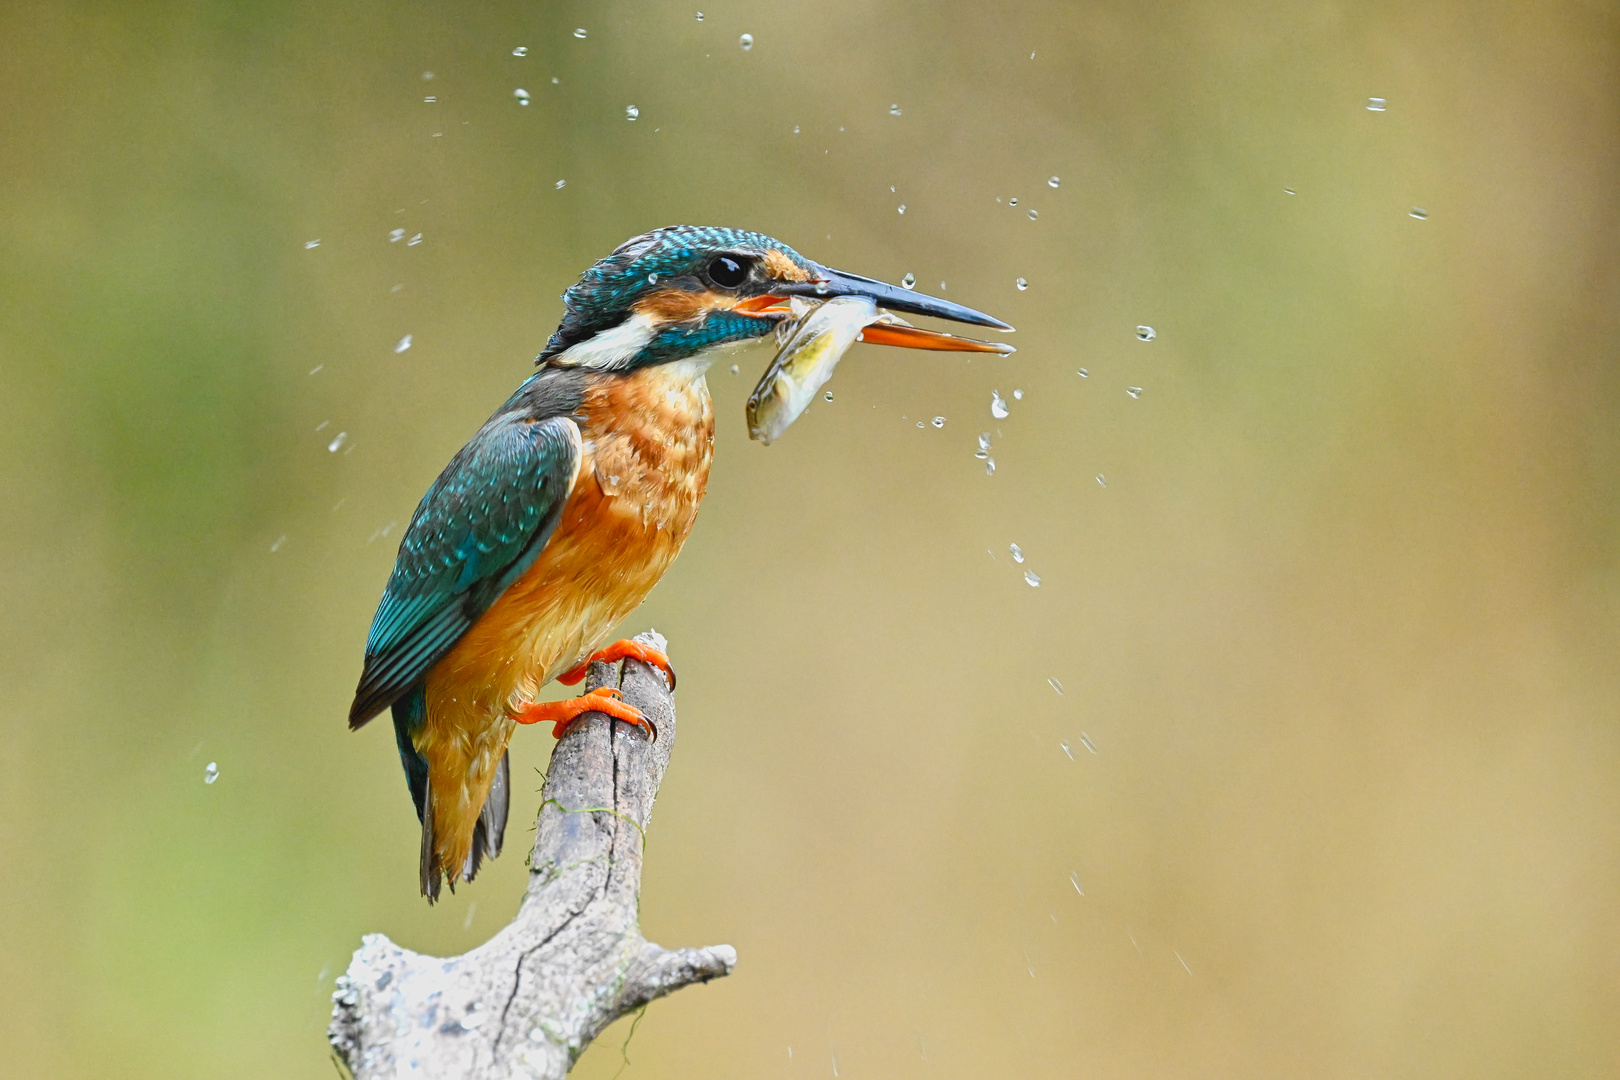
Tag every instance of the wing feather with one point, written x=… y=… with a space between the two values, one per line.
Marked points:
x=479 y=527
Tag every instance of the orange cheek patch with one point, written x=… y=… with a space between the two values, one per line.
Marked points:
x=679 y=305
x=782 y=268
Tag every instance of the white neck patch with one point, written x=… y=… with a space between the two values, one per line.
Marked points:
x=611 y=350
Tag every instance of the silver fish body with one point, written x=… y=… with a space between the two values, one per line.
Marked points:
x=816 y=341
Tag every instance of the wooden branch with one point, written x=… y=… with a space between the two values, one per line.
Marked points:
x=527 y=1002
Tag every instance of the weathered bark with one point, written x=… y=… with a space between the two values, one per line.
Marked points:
x=527 y=1002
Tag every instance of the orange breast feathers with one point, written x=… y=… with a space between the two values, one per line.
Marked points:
x=647 y=439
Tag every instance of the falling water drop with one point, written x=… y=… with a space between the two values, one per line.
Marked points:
x=984 y=447
x=1102 y=481
x=1055 y=685
x=827 y=396
x=521 y=50
x=1418 y=212
x=1145 y=333
x=580 y=33
x=735 y=369
x=939 y=421
x=700 y=16
x=1053 y=182
x=908 y=282
x=1012 y=202
x=396 y=236
x=1066 y=750
x=631 y=112
x=1034 y=213
x=1022 y=284
x=989 y=466
x=522 y=95
x=561 y=184
x=902 y=208
x=310 y=244
x=1083 y=373
x=337 y=444
x=1134 y=391
x=1018 y=395
x=746 y=41
x=894 y=110
x=998 y=405
x=1376 y=104
x=1032 y=579
x=211 y=773
x=1085 y=740
x=1016 y=552
x=403 y=344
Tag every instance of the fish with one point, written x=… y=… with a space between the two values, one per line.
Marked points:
x=816 y=339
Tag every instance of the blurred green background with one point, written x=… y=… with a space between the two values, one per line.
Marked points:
x=1333 y=602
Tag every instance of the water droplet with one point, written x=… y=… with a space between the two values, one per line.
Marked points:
x=1066 y=750
x=1022 y=284
x=998 y=405
x=1376 y=104
x=795 y=129
x=990 y=466
x=652 y=279
x=700 y=16
x=1145 y=333
x=275 y=547
x=427 y=75
x=404 y=343
x=413 y=241
x=984 y=445
x=908 y=282
x=894 y=110
x=522 y=95
x=1419 y=213
x=735 y=369
x=429 y=100
x=1134 y=391
x=211 y=773
x=1074 y=879
x=1085 y=740
x=561 y=184
x=939 y=421
x=1017 y=553
x=746 y=41
x=396 y=236
x=1033 y=214
x=1018 y=395
x=827 y=396
x=521 y=50
x=631 y=112
x=1012 y=202
x=1083 y=373
x=1053 y=182
x=554 y=80
x=919 y=423
x=902 y=208
x=1055 y=685
x=580 y=33
x=1101 y=482
x=337 y=444
x=309 y=244
x=1032 y=579
x=1289 y=191
x=942 y=286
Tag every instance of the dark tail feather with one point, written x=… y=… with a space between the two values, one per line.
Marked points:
x=429 y=866
x=410 y=712
x=490 y=831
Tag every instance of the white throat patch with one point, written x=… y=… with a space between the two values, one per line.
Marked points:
x=611 y=350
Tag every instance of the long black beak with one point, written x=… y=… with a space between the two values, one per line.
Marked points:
x=837 y=283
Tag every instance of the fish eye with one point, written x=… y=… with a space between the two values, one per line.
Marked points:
x=727 y=272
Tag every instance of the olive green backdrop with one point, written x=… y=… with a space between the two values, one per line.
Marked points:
x=1333 y=602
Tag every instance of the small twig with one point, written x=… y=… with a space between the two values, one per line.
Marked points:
x=527 y=1002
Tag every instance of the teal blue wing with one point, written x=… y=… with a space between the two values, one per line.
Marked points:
x=479 y=527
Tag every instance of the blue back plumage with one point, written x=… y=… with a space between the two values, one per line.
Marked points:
x=479 y=527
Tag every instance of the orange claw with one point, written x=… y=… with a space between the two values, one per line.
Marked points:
x=606 y=700
x=619 y=650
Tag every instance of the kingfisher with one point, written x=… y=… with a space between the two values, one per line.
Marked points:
x=559 y=516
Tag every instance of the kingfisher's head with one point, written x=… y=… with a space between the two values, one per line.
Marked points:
x=678 y=292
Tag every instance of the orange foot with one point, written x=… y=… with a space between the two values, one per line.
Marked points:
x=606 y=700
x=618 y=651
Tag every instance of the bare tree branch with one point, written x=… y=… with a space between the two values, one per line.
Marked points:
x=527 y=1002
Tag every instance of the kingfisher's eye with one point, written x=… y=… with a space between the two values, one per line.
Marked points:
x=726 y=272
